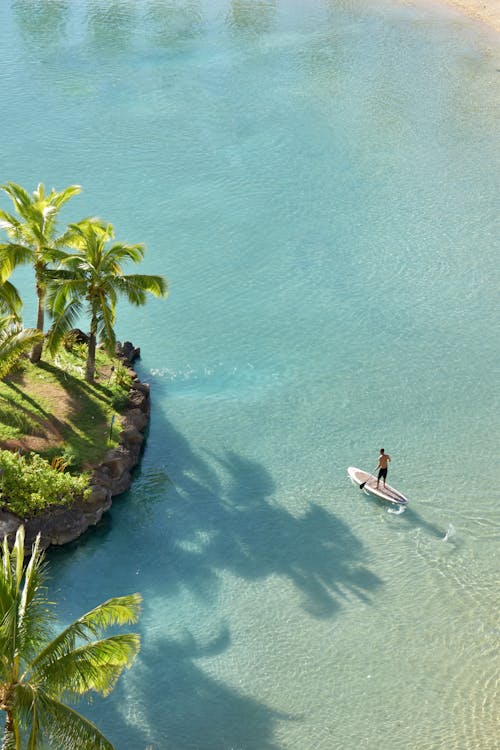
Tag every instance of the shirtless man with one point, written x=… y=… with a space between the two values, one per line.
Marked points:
x=383 y=460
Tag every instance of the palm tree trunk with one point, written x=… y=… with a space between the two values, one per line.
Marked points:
x=36 y=352
x=10 y=738
x=90 y=365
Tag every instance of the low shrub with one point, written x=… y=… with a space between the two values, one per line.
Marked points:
x=119 y=384
x=62 y=458
x=29 y=483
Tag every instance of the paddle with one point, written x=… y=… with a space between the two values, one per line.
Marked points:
x=363 y=483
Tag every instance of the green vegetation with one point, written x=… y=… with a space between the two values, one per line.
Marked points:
x=91 y=275
x=36 y=672
x=52 y=400
x=61 y=423
x=76 y=271
x=10 y=301
x=14 y=341
x=61 y=406
x=32 y=231
x=29 y=483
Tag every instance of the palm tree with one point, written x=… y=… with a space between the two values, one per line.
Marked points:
x=93 y=277
x=15 y=340
x=35 y=673
x=32 y=232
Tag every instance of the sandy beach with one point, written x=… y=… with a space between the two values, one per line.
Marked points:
x=487 y=11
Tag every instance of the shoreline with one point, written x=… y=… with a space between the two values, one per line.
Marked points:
x=112 y=476
x=484 y=11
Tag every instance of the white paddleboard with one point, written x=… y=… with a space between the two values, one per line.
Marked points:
x=388 y=493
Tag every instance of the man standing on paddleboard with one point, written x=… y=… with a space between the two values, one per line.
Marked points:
x=383 y=460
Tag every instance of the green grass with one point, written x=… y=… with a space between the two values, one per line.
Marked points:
x=17 y=422
x=53 y=399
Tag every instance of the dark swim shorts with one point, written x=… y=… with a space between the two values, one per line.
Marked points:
x=382 y=473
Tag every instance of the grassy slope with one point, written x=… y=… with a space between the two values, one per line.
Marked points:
x=51 y=410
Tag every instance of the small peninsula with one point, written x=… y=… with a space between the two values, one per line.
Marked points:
x=94 y=432
x=63 y=453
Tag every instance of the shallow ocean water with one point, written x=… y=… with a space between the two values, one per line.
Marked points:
x=319 y=182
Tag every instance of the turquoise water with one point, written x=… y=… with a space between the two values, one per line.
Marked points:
x=319 y=182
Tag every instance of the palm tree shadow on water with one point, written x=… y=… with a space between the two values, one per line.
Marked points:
x=220 y=515
x=186 y=708
x=315 y=551
x=216 y=513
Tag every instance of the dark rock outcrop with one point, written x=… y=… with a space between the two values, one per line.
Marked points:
x=127 y=352
x=78 y=336
x=62 y=524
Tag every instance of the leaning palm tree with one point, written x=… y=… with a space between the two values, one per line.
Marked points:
x=15 y=341
x=32 y=231
x=36 y=673
x=92 y=277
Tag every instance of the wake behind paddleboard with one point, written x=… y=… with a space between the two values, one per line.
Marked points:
x=358 y=476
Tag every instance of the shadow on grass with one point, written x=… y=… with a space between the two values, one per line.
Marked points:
x=26 y=397
x=85 y=428
x=73 y=385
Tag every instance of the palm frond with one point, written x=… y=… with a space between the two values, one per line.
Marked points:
x=24 y=615
x=136 y=285
x=9 y=223
x=90 y=230
x=8 y=625
x=10 y=301
x=17 y=556
x=65 y=318
x=106 y=320
x=53 y=254
x=64 y=239
x=6 y=588
x=58 y=199
x=120 y=252
x=14 y=341
x=62 y=277
x=63 y=287
x=120 y=610
x=39 y=192
x=11 y=577
x=65 y=727
x=35 y=735
x=94 y=666
x=26 y=710
x=11 y=256
x=33 y=615
x=9 y=741
x=6 y=564
x=47 y=211
x=38 y=213
x=18 y=195
x=51 y=723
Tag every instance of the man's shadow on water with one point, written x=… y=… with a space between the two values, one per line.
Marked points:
x=414 y=519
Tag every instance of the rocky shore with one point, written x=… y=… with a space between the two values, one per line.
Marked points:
x=62 y=524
